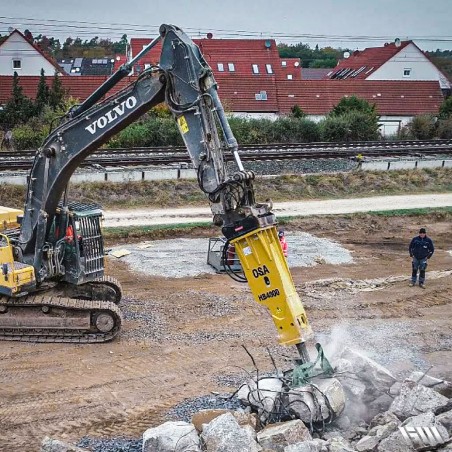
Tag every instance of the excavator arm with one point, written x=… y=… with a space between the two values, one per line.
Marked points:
x=184 y=81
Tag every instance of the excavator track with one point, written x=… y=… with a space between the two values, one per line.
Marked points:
x=58 y=319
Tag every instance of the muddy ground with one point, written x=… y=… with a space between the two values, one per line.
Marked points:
x=183 y=337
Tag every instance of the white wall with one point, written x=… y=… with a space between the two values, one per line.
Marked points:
x=412 y=58
x=18 y=48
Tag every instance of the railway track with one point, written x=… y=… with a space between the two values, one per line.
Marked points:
x=165 y=155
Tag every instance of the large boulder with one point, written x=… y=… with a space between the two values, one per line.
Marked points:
x=276 y=437
x=171 y=436
x=415 y=399
x=263 y=395
x=376 y=377
x=224 y=434
x=317 y=401
x=412 y=434
x=445 y=419
x=367 y=444
x=444 y=387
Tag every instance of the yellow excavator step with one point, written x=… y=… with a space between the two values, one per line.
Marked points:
x=8 y=218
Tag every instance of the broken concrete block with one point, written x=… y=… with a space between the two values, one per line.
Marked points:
x=171 y=436
x=339 y=445
x=427 y=419
x=367 y=444
x=394 y=390
x=316 y=445
x=224 y=434
x=383 y=431
x=415 y=399
x=342 y=366
x=442 y=386
x=445 y=419
x=383 y=419
x=205 y=416
x=376 y=376
x=55 y=445
x=263 y=395
x=331 y=396
x=277 y=436
x=317 y=401
x=395 y=443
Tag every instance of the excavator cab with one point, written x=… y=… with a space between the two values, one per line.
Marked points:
x=78 y=239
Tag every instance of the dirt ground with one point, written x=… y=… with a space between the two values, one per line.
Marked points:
x=183 y=337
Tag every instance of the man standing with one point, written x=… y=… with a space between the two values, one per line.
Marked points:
x=282 y=241
x=421 y=249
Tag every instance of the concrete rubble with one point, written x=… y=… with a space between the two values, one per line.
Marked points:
x=362 y=407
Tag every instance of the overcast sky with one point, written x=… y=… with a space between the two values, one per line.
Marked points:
x=365 y=22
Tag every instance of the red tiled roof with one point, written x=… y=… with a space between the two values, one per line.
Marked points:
x=44 y=54
x=369 y=59
x=315 y=97
x=318 y=97
x=243 y=53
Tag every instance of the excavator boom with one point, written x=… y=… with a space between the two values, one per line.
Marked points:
x=59 y=244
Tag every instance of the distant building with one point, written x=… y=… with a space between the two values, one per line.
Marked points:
x=88 y=66
x=17 y=54
x=403 y=60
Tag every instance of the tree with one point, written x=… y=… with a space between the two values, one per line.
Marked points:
x=353 y=103
x=445 y=111
x=297 y=112
x=42 y=95
x=19 y=108
x=57 y=92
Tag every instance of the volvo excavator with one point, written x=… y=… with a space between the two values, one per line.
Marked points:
x=52 y=282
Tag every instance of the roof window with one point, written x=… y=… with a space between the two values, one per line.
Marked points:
x=220 y=67
x=255 y=69
x=283 y=63
x=289 y=77
x=231 y=67
x=269 y=68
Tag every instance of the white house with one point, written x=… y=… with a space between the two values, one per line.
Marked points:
x=17 y=54
x=400 y=60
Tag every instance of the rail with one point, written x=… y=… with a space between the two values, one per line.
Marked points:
x=166 y=155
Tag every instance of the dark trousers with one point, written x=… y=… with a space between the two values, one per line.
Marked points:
x=419 y=265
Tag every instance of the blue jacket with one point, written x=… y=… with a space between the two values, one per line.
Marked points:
x=421 y=248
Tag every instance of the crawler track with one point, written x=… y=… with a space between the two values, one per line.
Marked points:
x=73 y=309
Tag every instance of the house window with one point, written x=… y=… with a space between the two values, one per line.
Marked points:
x=283 y=63
x=17 y=64
x=269 y=68
x=262 y=95
x=220 y=67
x=231 y=67
x=255 y=69
x=407 y=72
x=289 y=77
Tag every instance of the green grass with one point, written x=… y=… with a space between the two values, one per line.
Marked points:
x=132 y=233
x=178 y=193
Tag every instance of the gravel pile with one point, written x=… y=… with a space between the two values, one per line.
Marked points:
x=185 y=410
x=158 y=258
x=297 y=166
x=111 y=445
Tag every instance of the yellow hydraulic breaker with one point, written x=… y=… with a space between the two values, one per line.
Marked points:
x=271 y=283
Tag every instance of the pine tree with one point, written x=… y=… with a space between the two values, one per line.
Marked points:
x=42 y=95
x=57 y=92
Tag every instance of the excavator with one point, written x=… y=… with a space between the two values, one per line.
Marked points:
x=52 y=282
